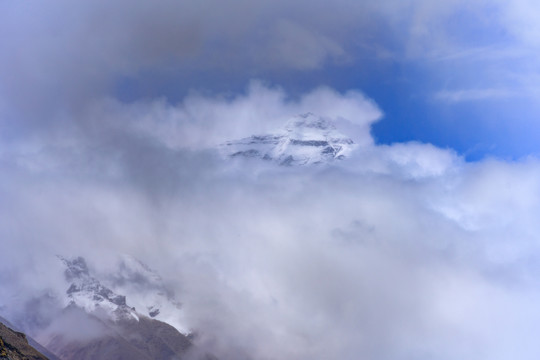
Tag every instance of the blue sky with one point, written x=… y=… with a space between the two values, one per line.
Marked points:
x=460 y=75
x=415 y=99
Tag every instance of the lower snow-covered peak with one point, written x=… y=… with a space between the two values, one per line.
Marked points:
x=86 y=292
x=305 y=139
x=130 y=291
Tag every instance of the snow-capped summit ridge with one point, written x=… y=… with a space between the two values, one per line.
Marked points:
x=127 y=293
x=86 y=292
x=305 y=139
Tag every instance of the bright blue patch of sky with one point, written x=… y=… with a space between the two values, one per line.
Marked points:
x=404 y=92
x=464 y=96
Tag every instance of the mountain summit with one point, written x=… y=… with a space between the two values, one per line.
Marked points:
x=306 y=139
x=97 y=322
x=89 y=294
x=146 y=292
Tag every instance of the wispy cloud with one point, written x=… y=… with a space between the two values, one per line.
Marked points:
x=455 y=96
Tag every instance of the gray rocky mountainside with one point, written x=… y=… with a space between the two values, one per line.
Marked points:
x=122 y=339
x=14 y=346
x=304 y=140
x=31 y=341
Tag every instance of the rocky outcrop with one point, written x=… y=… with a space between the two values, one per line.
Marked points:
x=14 y=346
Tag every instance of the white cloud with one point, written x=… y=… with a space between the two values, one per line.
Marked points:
x=300 y=48
x=454 y=96
x=200 y=122
x=403 y=251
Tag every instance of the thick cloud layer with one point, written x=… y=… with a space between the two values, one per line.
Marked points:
x=403 y=251
x=400 y=252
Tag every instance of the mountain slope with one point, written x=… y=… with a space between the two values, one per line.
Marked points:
x=306 y=139
x=133 y=280
x=146 y=291
x=86 y=292
x=97 y=323
x=14 y=346
x=31 y=341
x=131 y=339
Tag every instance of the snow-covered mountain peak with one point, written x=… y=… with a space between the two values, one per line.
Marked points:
x=86 y=292
x=132 y=290
x=305 y=139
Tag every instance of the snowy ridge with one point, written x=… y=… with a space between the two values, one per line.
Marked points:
x=306 y=139
x=133 y=283
x=147 y=292
x=89 y=294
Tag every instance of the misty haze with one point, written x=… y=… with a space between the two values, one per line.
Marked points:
x=272 y=180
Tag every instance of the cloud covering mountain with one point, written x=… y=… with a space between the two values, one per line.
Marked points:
x=110 y=137
x=400 y=251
